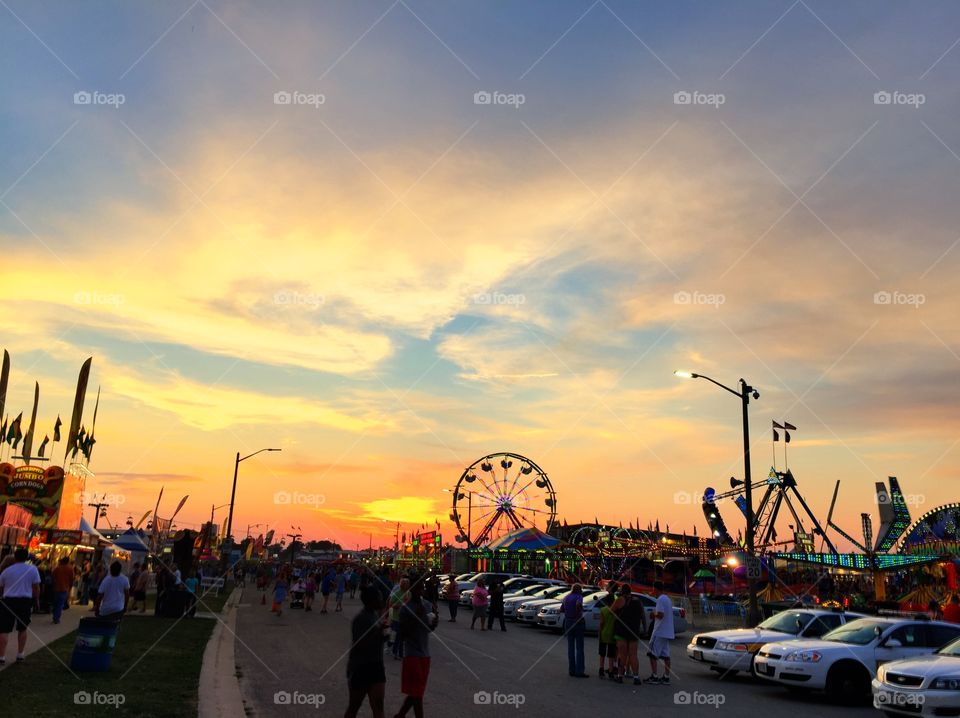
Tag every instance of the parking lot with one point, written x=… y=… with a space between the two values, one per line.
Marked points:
x=294 y=666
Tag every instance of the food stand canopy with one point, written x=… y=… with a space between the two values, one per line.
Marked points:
x=130 y=540
x=530 y=539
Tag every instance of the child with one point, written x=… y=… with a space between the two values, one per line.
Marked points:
x=608 y=644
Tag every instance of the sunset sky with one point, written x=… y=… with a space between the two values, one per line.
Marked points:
x=388 y=278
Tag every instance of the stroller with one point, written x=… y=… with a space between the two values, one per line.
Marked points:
x=296 y=594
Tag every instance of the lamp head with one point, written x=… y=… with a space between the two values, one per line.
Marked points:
x=685 y=374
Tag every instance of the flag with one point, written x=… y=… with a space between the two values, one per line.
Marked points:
x=4 y=376
x=78 y=407
x=776 y=436
x=13 y=430
x=3 y=431
x=90 y=440
x=43 y=446
x=787 y=425
x=777 y=426
x=56 y=430
x=28 y=438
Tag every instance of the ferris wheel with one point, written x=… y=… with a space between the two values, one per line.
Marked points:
x=499 y=493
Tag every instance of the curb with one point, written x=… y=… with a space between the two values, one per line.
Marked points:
x=219 y=688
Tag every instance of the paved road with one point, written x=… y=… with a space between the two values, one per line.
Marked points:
x=304 y=653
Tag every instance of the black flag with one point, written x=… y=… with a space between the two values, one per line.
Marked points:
x=43 y=446
x=56 y=430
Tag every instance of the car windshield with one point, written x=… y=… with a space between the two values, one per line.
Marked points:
x=464 y=577
x=951 y=649
x=859 y=633
x=529 y=591
x=787 y=622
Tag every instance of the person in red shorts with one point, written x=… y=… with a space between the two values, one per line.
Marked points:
x=417 y=620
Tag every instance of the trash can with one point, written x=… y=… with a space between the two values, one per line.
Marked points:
x=93 y=650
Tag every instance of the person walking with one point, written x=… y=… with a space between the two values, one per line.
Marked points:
x=19 y=594
x=496 y=607
x=366 y=677
x=630 y=625
x=661 y=636
x=353 y=582
x=326 y=586
x=573 y=627
x=480 y=599
x=99 y=573
x=309 y=591
x=399 y=595
x=452 y=595
x=416 y=623
x=62 y=582
x=279 y=593
x=140 y=591
x=607 y=642
x=193 y=589
x=341 y=588
x=113 y=593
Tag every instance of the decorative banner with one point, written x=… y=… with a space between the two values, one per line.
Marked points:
x=36 y=489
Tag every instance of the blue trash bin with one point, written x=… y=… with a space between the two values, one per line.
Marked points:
x=96 y=638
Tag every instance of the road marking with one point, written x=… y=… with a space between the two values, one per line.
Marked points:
x=468 y=646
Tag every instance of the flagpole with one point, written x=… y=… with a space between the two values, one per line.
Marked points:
x=786 y=437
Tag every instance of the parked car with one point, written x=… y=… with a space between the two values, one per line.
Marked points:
x=732 y=650
x=528 y=610
x=549 y=615
x=513 y=585
x=845 y=660
x=511 y=604
x=488 y=578
x=592 y=618
x=920 y=686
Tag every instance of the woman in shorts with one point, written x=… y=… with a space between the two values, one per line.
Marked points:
x=607 y=642
x=631 y=624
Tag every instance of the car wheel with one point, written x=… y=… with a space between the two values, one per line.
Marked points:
x=848 y=684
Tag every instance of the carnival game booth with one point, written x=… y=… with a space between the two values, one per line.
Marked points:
x=525 y=550
x=15 y=523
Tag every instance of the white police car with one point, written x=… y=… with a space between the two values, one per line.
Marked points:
x=732 y=650
x=845 y=660
x=921 y=686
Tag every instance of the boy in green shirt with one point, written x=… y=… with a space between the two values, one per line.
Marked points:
x=608 y=644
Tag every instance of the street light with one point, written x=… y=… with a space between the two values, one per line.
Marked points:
x=745 y=394
x=228 y=539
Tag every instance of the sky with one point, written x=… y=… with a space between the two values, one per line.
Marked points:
x=390 y=238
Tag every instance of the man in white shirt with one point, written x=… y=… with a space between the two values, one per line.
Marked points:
x=661 y=636
x=19 y=593
x=113 y=594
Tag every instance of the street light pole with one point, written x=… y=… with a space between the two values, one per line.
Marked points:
x=744 y=394
x=228 y=539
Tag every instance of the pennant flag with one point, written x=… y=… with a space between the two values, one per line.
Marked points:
x=786 y=436
x=14 y=430
x=777 y=426
x=3 y=431
x=15 y=434
x=78 y=407
x=776 y=436
x=90 y=440
x=56 y=430
x=787 y=425
x=4 y=377
x=43 y=446
x=28 y=438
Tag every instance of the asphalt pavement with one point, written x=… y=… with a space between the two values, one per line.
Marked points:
x=294 y=665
